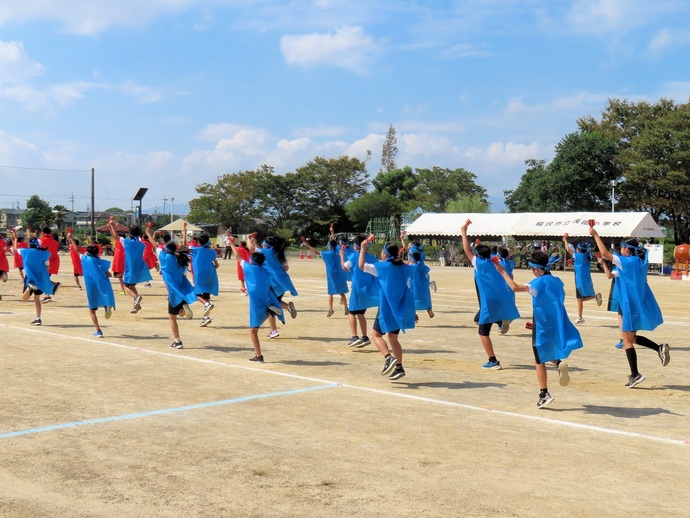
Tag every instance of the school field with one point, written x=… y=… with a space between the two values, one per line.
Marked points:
x=124 y=426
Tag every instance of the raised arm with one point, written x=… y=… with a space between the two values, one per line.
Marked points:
x=231 y=241
x=513 y=285
x=363 y=251
x=251 y=242
x=311 y=248
x=605 y=252
x=152 y=240
x=342 y=258
x=332 y=228
x=111 y=226
x=567 y=245
x=465 y=241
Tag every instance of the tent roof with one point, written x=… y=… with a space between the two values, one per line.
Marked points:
x=537 y=224
x=178 y=226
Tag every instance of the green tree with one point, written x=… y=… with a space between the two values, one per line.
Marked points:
x=439 y=186
x=658 y=171
x=399 y=183
x=325 y=187
x=532 y=189
x=466 y=203
x=231 y=201
x=372 y=205
x=38 y=213
x=389 y=150
x=59 y=213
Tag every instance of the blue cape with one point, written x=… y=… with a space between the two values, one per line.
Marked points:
x=136 y=270
x=365 y=291
x=396 y=301
x=179 y=288
x=280 y=280
x=638 y=305
x=496 y=299
x=36 y=269
x=583 y=274
x=261 y=296
x=205 y=274
x=99 y=291
x=554 y=335
x=420 y=286
x=336 y=277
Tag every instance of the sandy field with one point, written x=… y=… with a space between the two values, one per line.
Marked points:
x=125 y=426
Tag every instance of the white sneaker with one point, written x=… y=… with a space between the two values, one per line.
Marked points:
x=580 y=321
x=274 y=334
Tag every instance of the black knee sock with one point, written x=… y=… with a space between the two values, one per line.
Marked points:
x=646 y=342
x=632 y=360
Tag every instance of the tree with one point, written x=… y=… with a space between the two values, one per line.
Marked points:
x=466 y=203
x=231 y=201
x=372 y=205
x=38 y=213
x=59 y=213
x=399 y=183
x=389 y=151
x=532 y=189
x=326 y=186
x=439 y=186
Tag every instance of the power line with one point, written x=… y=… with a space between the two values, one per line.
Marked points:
x=46 y=169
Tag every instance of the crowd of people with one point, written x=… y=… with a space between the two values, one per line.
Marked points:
x=397 y=285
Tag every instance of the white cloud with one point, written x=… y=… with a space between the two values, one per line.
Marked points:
x=665 y=40
x=15 y=64
x=349 y=48
x=321 y=130
x=90 y=17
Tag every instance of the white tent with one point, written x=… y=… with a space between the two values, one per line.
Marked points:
x=537 y=224
x=178 y=226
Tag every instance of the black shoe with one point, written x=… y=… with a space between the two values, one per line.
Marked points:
x=544 y=400
x=389 y=365
x=36 y=322
x=634 y=380
x=398 y=373
x=355 y=341
x=176 y=345
x=56 y=287
x=364 y=341
x=257 y=359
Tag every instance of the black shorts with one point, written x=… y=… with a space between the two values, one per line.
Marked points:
x=377 y=327
x=484 y=329
x=205 y=296
x=78 y=274
x=534 y=343
x=358 y=311
x=130 y=286
x=175 y=310
x=32 y=292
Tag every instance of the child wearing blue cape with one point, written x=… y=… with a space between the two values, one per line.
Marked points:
x=262 y=299
x=421 y=281
x=99 y=291
x=506 y=260
x=638 y=307
x=554 y=337
x=36 y=276
x=396 y=304
x=584 y=288
x=496 y=299
x=364 y=291
x=611 y=273
x=136 y=269
x=204 y=266
x=336 y=277
x=181 y=292
x=273 y=248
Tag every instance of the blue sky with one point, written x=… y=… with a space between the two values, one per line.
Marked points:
x=168 y=94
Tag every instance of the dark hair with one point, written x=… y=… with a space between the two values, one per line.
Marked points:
x=76 y=241
x=179 y=253
x=135 y=231
x=394 y=252
x=358 y=240
x=92 y=250
x=483 y=251
x=503 y=252
x=166 y=238
x=279 y=245
x=46 y=230
x=243 y=244
x=203 y=239
x=333 y=244
x=417 y=256
x=540 y=258
x=258 y=258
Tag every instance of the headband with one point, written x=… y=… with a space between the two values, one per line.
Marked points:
x=547 y=268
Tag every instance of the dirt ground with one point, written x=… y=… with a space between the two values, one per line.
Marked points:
x=126 y=426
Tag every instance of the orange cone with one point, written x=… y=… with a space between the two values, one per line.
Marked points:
x=301 y=254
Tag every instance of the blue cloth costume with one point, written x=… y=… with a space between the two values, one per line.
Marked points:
x=638 y=306
x=508 y=265
x=36 y=269
x=420 y=281
x=261 y=296
x=205 y=274
x=554 y=335
x=280 y=280
x=496 y=299
x=179 y=288
x=614 y=295
x=99 y=291
x=365 y=290
x=583 y=272
x=136 y=270
x=396 y=301
x=336 y=277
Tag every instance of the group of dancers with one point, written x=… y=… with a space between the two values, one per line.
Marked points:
x=398 y=289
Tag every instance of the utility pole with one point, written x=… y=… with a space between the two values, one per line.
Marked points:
x=172 y=200
x=164 y=200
